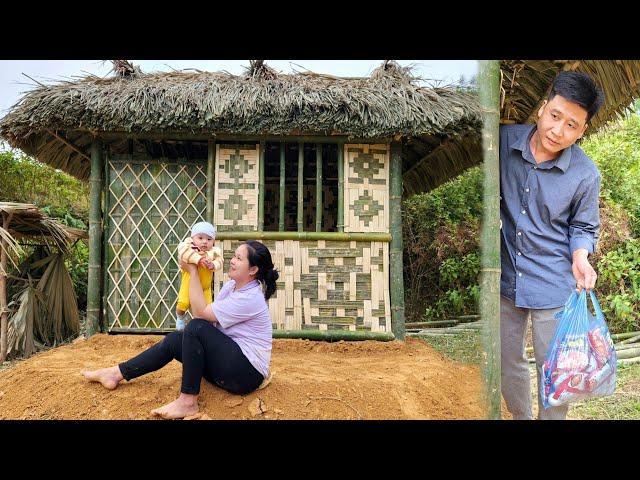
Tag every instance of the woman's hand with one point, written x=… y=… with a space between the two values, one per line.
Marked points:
x=188 y=267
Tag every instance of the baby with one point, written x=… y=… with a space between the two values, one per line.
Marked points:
x=199 y=250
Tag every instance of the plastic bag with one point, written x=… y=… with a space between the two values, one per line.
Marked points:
x=581 y=360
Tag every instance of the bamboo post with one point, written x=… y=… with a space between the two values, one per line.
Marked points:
x=95 y=240
x=489 y=89
x=282 y=191
x=3 y=293
x=341 y=187
x=395 y=260
x=318 y=187
x=261 y=187
x=300 y=186
x=211 y=162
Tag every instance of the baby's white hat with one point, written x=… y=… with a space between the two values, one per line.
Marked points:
x=204 y=227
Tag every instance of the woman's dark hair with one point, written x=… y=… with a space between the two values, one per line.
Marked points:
x=578 y=87
x=260 y=256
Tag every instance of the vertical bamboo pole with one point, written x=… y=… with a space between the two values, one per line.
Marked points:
x=4 y=323
x=211 y=165
x=106 y=208
x=341 y=187
x=95 y=240
x=318 y=187
x=261 y=187
x=489 y=89
x=282 y=191
x=300 y=186
x=395 y=261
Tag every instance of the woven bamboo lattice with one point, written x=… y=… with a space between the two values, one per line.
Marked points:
x=325 y=284
x=236 y=191
x=151 y=206
x=366 y=188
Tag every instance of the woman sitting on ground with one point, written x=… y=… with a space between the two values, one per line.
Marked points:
x=228 y=342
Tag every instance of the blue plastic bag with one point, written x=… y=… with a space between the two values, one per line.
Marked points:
x=581 y=360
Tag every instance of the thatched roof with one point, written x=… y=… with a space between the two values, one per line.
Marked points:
x=526 y=82
x=56 y=123
x=27 y=222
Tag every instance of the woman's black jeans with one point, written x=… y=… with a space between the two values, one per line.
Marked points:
x=204 y=352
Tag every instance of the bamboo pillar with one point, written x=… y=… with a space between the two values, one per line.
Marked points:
x=318 y=187
x=211 y=188
x=261 y=187
x=300 y=186
x=340 y=187
x=489 y=89
x=282 y=191
x=395 y=260
x=95 y=240
x=4 y=322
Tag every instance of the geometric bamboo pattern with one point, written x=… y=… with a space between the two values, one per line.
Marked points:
x=151 y=208
x=236 y=189
x=366 y=188
x=325 y=285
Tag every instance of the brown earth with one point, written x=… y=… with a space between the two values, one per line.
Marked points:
x=311 y=380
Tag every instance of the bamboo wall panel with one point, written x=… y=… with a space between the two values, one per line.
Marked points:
x=325 y=284
x=236 y=192
x=366 y=188
x=151 y=208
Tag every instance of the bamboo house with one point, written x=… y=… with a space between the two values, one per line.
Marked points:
x=314 y=166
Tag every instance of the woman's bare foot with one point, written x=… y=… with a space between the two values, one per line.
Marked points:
x=108 y=377
x=183 y=406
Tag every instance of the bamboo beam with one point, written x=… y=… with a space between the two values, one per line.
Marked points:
x=261 y=186
x=211 y=162
x=282 y=188
x=334 y=335
x=322 y=335
x=318 y=187
x=340 y=187
x=335 y=236
x=4 y=322
x=300 y=186
x=95 y=240
x=489 y=89
x=105 y=239
x=69 y=144
x=395 y=261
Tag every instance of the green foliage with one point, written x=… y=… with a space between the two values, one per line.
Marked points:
x=619 y=286
x=441 y=249
x=616 y=151
x=25 y=180
x=58 y=195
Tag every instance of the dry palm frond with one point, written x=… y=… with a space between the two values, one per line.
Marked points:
x=28 y=222
x=11 y=248
x=31 y=310
x=62 y=320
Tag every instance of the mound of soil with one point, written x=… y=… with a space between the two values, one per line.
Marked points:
x=311 y=380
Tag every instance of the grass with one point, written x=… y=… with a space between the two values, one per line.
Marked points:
x=462 y=347
x=624 y=404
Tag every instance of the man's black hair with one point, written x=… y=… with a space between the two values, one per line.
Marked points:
x=578 y=87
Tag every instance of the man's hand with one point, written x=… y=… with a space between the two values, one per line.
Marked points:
x=583 y=272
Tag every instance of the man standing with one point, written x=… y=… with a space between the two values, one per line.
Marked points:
x=549 y=214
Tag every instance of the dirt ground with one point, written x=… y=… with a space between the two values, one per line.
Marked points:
x=311 y=380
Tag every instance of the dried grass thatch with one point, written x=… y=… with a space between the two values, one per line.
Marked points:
x=526 y=82
x=57 y=123
x=29 y=223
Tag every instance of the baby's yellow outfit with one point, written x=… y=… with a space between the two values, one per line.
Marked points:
x=188 y=253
